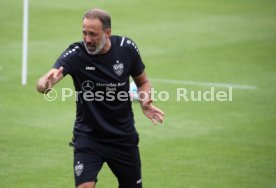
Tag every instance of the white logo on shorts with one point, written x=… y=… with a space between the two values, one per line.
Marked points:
x=78 y=168
x=139 y=181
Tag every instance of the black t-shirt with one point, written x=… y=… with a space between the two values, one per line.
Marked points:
x=99 y=80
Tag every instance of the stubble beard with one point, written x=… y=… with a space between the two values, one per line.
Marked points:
x=98 y=48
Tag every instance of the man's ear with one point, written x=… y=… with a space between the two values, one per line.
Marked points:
x=108 y=33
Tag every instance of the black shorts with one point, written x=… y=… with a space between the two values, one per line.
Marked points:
x=123 y=161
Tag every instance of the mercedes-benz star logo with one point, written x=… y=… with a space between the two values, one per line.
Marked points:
x=87 y=85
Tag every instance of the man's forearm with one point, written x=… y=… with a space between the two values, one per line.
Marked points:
x=144 y=92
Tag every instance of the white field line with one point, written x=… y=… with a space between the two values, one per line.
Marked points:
x=207 y=84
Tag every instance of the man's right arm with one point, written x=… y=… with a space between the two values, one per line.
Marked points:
x=46 y=82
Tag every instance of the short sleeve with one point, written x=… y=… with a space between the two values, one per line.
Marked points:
x=65 y=60
x=138 y=65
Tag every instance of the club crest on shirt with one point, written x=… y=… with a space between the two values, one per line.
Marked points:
x=78 y=168
x=118 y=68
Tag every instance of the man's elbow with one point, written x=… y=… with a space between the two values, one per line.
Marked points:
x=142 y=82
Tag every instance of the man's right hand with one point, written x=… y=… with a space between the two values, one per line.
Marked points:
x=46 y=82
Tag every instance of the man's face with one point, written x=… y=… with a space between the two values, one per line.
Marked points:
x=94 y=36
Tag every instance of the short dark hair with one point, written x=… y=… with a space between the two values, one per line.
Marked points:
x=102 y=15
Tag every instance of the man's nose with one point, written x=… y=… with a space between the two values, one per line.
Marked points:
x=88 y=39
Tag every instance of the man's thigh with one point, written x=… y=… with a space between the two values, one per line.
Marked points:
x=87 y=164
x=125 y=163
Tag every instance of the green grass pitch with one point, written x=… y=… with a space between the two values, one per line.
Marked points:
x=201 y=144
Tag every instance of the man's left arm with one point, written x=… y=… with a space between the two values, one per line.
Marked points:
x=144 y=90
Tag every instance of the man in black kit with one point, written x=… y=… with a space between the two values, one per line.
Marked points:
x=104 y=131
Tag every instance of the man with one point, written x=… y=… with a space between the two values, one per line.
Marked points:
x=104 y=131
